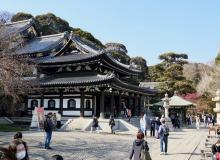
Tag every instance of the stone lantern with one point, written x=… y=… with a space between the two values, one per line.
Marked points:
x=216 y=99
x=166 y=106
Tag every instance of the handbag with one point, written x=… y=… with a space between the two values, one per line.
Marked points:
x=145 y=155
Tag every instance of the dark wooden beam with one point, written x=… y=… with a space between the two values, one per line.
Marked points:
x=82 y=103
x=42 y=100
x=61 y=102
x=102 y=103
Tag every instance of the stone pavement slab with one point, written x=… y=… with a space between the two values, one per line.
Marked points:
x=93 y=146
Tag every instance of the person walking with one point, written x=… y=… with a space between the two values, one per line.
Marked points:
x=197 y=122
x=129 y=114
x=54 y=120
x=157 y=125
x=95 y=125
x=143 y=123
x=152 y=127
x=163 y=134
x=112 y=124
x=48 y=127
x=146 y=121
x=19 y=136
x=213 y=119
x=140 y=148
x=58 y=116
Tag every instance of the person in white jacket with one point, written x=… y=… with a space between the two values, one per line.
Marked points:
x=143 y=123
x=197 y=122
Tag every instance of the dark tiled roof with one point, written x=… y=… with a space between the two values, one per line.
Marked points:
x=15 y=27
x=80 y=57
x=73 y=79
x=86 y=79
x=126 y=86
x=85 y=45
x=42 y=44
x=71 y=57
x=121 y=64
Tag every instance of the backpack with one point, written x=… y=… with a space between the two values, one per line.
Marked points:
x=145 y=155
x=166 y=130
x=46 y=126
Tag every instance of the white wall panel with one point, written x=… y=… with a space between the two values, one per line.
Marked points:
x=71 y=113
x=88 y=113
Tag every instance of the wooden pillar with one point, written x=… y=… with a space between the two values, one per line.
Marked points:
x=94 y=105
x=130 y=101
x=119 y=104
x=61 y=102
x=82 y=103
x=139 y=105
x=102 y=103
x=136 y=105
x=112 y=105
x=41 y=101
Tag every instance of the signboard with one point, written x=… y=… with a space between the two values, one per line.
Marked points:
x=40 y=117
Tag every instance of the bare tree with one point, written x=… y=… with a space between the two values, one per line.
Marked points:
x=5 y=16
x=13 y=69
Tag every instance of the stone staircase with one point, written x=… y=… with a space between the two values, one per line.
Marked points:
x=5 y=120
x=84 y=124
x=76 y=124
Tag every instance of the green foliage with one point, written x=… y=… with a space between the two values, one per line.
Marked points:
x=174 y=72
x=184 y=87
x=21 y=16
x=51 y=24
x=217 y=59
x=172 y=57
x=170 y=73
x=155 y=72
x=121 y=57
x=205 y=103
x=12 y=128
x=141 y=64
x=47 y=24
x=87 y=36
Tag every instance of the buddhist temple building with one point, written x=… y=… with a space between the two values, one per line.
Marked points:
x=75 y=76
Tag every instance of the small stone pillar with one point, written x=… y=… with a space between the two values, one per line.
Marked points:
x=216 y=99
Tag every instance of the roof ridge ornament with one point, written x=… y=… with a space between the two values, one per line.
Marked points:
x=110 y=74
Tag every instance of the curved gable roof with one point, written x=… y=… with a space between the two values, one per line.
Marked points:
x=43 y=43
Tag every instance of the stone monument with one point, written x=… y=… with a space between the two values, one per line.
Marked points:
x=216 y=99
x=166 y=105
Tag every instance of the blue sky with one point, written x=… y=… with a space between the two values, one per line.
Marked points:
x=147 y=28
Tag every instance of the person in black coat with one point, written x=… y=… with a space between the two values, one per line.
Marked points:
x=152 y=127
x=112 y=123
x=95 y=125
x=216 y=147
x=48 y=127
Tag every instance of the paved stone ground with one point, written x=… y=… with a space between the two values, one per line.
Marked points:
x=87 y=146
